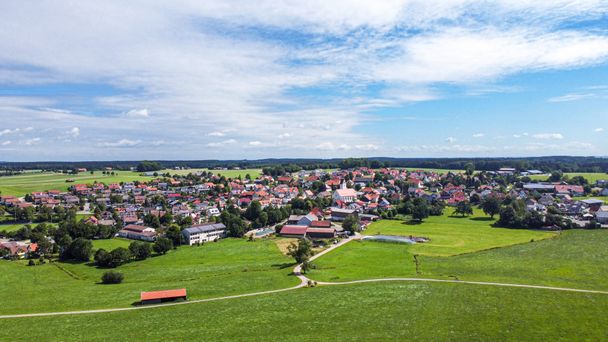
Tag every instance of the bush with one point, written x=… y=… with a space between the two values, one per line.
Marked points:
x=112 y=277
x=31 y=263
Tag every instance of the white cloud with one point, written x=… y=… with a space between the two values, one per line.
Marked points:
x=599 y=129
x=451 y=140
x=138 y=113
x=121 y=143
x=284 y=135
x=32 y=141
x=570 y=97
x=74 y=132
x=222 y=143
x=478 y=135
x=15 y=131
x=255 y=143
x=6 y=143
x=216 y=134
x=548 y=136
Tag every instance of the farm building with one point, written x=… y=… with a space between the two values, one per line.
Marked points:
x=155 y=297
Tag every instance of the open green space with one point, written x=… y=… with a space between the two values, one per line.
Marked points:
x=32 y=182
x=11 y=227
x=110 y=244
x=452 y=235
x=574 y=259
x=231 y=266
x=363 y=312
x=590 y=176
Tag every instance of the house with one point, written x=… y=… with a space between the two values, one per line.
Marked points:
x=204 y=233
x=338 y=214
x=213 y=211
x=306 y=220
x=18 y=249
x=345 y=195
x=320 y=224
x=321 y=233
x=602 y=215
x=293 y=231
x=137 y=232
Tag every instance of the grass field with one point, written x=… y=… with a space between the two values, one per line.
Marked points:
x=230 y=266
x=32 y=182
x=110 y=244
x=364 y=312
x=254 y=173
x=455 y=235
x=591 y=177
x=11 y=227
x=574 y=259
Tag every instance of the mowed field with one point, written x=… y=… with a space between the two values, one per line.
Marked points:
x=395 y=311
x=574 y=259
x=231 y=266
x=31 y=182
x=254 y=173
x=591 y=177
x=452 y=235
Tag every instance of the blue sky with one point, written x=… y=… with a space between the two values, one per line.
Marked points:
x=244 y=80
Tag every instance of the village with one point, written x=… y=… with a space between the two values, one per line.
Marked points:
x=321 y=205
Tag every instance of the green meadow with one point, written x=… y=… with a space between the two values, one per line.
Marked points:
x=591 y=177
x=452 y=235
x=20 y=185
x=395 y=311
x=574 y=259
x=227 y=267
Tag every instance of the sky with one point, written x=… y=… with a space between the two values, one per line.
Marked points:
x=132 y=80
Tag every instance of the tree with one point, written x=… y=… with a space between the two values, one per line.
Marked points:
x=80 y=249
x=301 y=251
x=490 y=206
x=146 y=166
x=469 y=169
x=112 y=277
x=253 y=211
x=140 y=250
x=162 y=245
x=556 y=176
x=351 y=224
x=174 y=233
x=102 y=258
x=119 y=256
x=420 y=211
x=463 y=208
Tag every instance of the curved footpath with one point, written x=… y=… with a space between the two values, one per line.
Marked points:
x=304 y=281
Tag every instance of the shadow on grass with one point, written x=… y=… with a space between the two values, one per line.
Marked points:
x=412 y=222
x=482 y=219
x=284 y=265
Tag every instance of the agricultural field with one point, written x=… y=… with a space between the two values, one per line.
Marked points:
x=574 y=259
x=452 y=235
x=373 y=311
x=31 y=182
x=591 y=177
x=231 y=266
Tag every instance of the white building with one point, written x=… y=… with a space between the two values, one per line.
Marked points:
x=204 y=233
x=345 y=195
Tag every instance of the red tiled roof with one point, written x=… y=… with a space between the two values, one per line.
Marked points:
x=163 y=294
x=293 y=230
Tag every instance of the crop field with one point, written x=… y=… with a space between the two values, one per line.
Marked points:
x=227 y=267
x=23 y=184
x=452 y=235
x=591 y=177
x=373 y=311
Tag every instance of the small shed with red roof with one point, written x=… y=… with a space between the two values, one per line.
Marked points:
x=163 y=296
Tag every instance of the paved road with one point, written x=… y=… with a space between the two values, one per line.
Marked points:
x=303 y=283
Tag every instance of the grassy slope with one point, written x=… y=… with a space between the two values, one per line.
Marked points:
x=382 y=311
x=456 y=235
x=215 y=269
x=23 y=184
x=575 y=259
